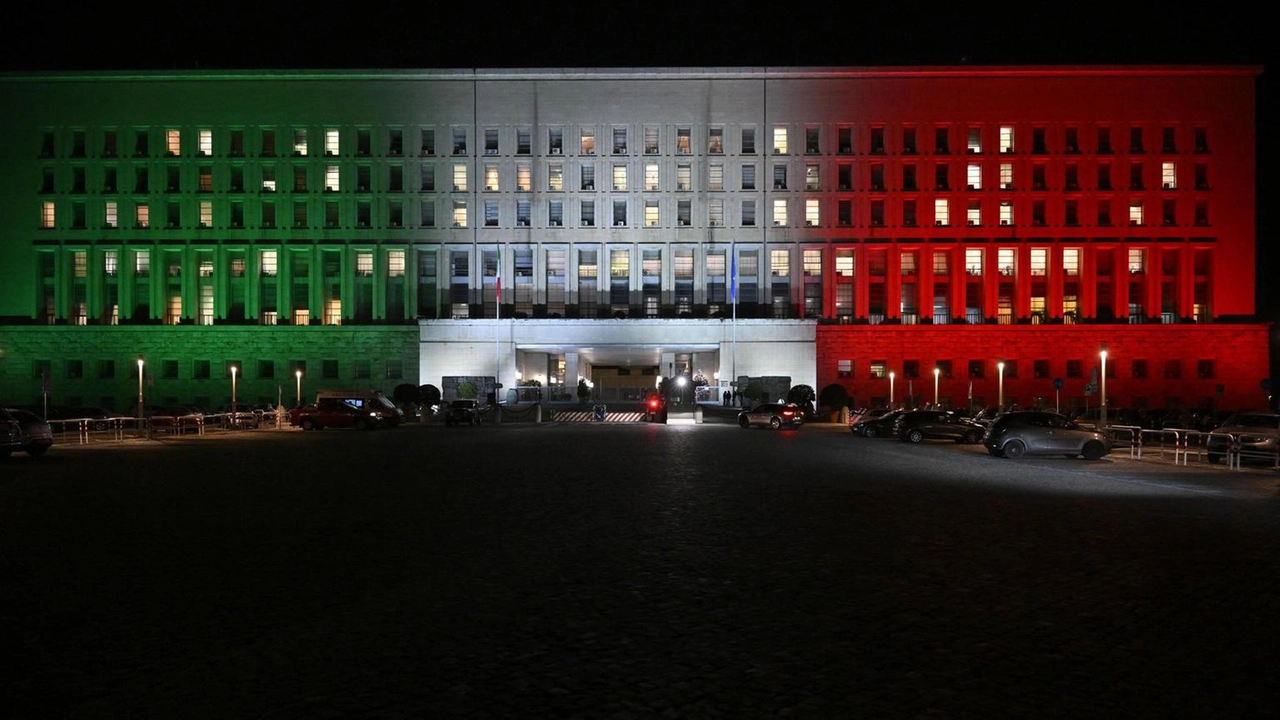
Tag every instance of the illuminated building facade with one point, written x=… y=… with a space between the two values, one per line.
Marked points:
x=823 y=225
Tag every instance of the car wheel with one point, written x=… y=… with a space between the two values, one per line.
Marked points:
x=1015 y=449
x=99 y=425
x=743 y=422
x=913 y=436
x=775 y=423
x=1093 y=450
x=308 y=424
x=362 y=424
x=869 y=432
x=972 y=438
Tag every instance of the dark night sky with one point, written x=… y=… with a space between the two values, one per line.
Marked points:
x=145 y=35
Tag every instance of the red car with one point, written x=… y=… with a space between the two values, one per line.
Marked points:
x=334 y=413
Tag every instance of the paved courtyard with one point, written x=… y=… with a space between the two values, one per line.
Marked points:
x=630 y=571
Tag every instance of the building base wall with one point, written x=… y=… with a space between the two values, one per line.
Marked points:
x=1218 y=367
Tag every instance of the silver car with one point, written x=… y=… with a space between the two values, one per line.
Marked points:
x=36 y=435
x=1255 y=434
x=1036 y=432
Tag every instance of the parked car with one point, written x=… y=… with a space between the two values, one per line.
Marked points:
x=240 y=415
x=859 y=414
x=878 y=426
x=36 y=435
x=10 y=433
x=772 y=415
x=1258 y=435
x=97 y=417
x=1041 y=432
x=462 y=412
x=918 y=425
x=334 y=413
x=175 y=418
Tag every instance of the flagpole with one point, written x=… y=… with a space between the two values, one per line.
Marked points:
x=497 y=329
x=733 y=299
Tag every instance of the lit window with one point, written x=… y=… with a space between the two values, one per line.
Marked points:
x=173 y=310
x=206 y=213
x=684 y=177
x=206 y=305
x=973 y=213
x=651 y=213
x=459 y=178
x=268 y=263
x=173 y=141
x=1169 y=175
x=844 y=263
x=555 y=177
x=1005 y=259
x=524 y=177
x=715 y=141
x=268 y=178
x=300 y=141
x=974 y=176
x=1006 y=176
x=1135 y=212
x=907 y=261
x=1006 y=212
x=206 y=142
x=779 y=212
x=491 y=178
x=780 y=263
x=111 y=214
x=651 y=140
x=331 y=142
x=205 y=267
x=973 y=261
x=460 y=213
x=142 y=262
x=779 y=140
x=1071 y=261
x=811 y=217
x=651 y=176
x=941 y=212
x=80 y=263
x=110 y=263
x=619 y=177
x=974 y=144
x=715 y=212
x=395 y=263
x=301 y=317
x=1006 y=139
x=1039 y=261
x=684 y=141
x=588 y=142
x=364 y=264
x=1137 y=260
x=333 y=312
x=715 y=177
x=142 y=215
x=331 y=182
x=47 y=215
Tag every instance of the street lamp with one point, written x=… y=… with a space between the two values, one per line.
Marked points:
x=233 y=389
x=1000 y=403
x=298 y=375
x=1102 y=413
x=936 y=371
x=140 y=364
x=890 y=390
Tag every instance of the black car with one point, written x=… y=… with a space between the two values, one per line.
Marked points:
x=918 y=425
x=462 y=412
x=772 y=415
x=878 y=426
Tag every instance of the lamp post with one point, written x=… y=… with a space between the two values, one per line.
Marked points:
x=936 y=372
x=233 y=389
x=890 y=390
x=297 y=374
x=1000 y=402
x=1102 y=412
x=140 y=364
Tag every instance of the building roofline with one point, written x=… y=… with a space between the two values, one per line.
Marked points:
x=643 y=73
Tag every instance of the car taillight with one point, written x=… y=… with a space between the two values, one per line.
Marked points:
x=788 y=413
x=653 y=404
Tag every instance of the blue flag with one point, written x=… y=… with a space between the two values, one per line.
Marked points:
x=733 y=278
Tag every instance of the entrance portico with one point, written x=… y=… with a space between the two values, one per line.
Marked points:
x=558 y=351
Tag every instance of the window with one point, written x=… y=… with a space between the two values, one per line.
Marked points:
x=715 y=141
x=780 y=212
x=555 y=141
x=684 y=141
x=459 y=213
x=779 y=140
x=459 y=140
x=142 y=215
x=524 y=177
x=1169 y=176
x=941 y=212
x=491 y=178
x=748 y=141
x=619 y=177
x=1039 y=261
x=974 y=142
x=364 y=264
x=811 y=217
x=460 y=178
x=748 y=177
x=748 y=213
x=173 y=141
x=879 y=369
x=1137 y=260
x=331 y=142
x=587 y=144
x=490 y=141
x=1006 y=139
x=619 y=141
x=524 y=141
x=47 y=215
x=973 y=176
x=555 y=177
x=651 y=146
x=300 y=141
x=651 y=213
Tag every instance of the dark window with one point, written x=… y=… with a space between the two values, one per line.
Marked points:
x=975 y=368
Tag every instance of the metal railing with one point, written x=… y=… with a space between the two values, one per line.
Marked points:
x=1181 y=445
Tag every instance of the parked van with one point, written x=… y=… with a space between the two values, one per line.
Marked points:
x=377 y=406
